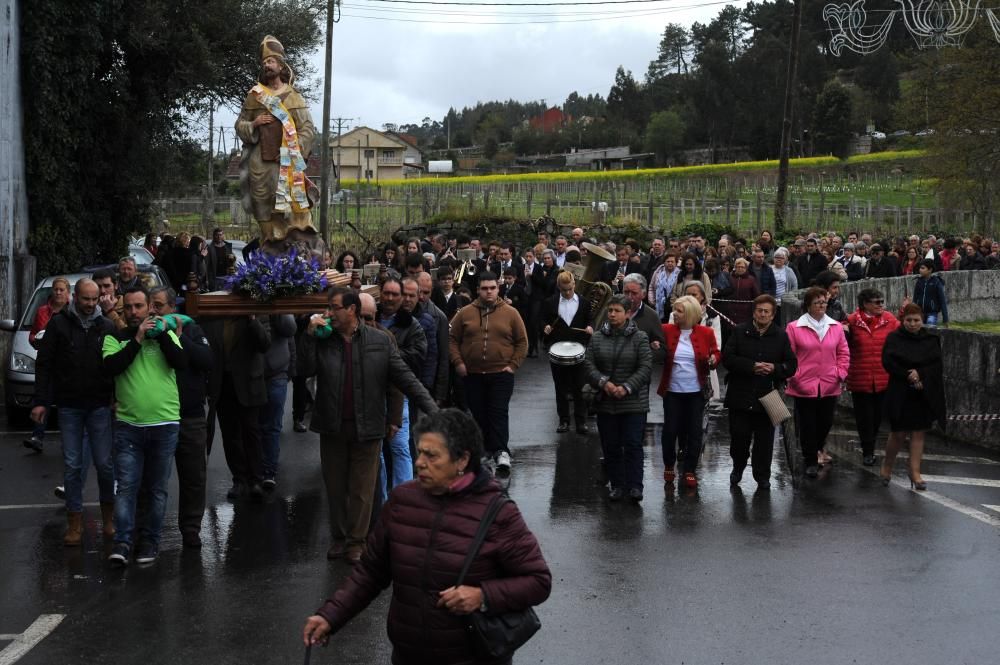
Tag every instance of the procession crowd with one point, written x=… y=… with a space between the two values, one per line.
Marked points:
x=418 y=383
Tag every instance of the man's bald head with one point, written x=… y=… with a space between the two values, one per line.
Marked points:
x=367 y=307
x=86 y=294
x=426 y=286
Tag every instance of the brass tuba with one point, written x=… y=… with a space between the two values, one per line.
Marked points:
x=589 y=284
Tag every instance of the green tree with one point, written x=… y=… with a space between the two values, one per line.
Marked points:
x=114 y=85
x=664 y=134
x=832 y=120
x=672 y=54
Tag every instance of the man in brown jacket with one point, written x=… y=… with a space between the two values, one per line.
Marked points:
x=488 y=344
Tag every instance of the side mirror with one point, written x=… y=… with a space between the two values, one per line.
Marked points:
x=9 y=325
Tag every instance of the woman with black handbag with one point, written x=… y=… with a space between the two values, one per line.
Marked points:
x=444 y=610
x=758 y=359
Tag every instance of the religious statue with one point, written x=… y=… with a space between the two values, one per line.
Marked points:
x=277 y=133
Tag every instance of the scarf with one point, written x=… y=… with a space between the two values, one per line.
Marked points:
x=290 y=195
x=819 y=327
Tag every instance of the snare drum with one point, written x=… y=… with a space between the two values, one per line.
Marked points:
x=567 y=353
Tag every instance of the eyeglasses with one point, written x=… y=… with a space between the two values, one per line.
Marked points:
x=877 y=301
x=822 y=303
x=334 y=308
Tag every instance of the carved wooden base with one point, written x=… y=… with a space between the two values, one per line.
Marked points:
x=221 y=303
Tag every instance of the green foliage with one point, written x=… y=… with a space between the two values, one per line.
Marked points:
x=710 y=232
x=832 y=120
x=112 y=86
x=664 y=134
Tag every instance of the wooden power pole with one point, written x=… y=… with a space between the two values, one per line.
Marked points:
x=786 y=123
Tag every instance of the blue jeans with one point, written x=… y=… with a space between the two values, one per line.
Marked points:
x=143 y=458
x=94 y=425
x=931 y=319
x=270 y=419
x=621 y=441
x=399 y=457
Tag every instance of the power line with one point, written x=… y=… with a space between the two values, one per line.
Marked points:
x=519 y=4
x=605 y=17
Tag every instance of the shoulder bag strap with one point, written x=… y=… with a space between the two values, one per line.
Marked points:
x=484 y=525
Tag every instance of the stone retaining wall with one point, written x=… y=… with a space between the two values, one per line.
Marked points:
x=971 y=359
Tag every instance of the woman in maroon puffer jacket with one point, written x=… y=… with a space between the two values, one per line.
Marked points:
x=867 y=380
x=419 y=545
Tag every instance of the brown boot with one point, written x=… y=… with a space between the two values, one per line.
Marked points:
x=74 y=530
x=108 y=517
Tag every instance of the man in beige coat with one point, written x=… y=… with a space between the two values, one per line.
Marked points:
x=488 y=344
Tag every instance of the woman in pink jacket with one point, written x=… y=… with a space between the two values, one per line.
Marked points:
x=820 y=347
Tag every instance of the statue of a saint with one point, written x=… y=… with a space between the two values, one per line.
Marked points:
x=277 y=133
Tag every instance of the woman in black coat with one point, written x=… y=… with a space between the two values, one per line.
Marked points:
x=915 y=397
x=759 y=359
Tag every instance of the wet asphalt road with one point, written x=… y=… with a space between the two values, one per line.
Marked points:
x=841 y=570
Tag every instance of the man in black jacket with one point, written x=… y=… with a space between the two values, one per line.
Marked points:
x=880 y=265
x=236 y=392
x=68 y=373
x=355 y=367
x=192 y=386
x=810 y=264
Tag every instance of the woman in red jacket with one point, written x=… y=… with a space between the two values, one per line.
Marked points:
x=419 y=545
x=820 y=345
x=866 y=378
x=691 y=352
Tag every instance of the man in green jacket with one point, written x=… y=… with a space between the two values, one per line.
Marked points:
x=147 y=422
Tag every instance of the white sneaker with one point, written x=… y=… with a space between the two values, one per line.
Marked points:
x=503 y=463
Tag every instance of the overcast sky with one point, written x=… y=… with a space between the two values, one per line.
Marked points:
x=403 y=71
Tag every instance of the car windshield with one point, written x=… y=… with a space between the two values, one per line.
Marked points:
x=141 y=255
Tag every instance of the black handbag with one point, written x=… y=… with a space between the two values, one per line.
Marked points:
x=496 y=636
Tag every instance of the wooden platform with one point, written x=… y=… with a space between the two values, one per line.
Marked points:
x=222 y=303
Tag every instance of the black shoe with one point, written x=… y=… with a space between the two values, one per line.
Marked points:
x=146 y=553
x=582 y=429
x=616 y=494
x=635 y=495
x=868 y=460
x=299 y=427
x=60 y=492
x=763 y=484
x=257 y=492
x=735 y=477
x=191 y=539
x=236 y=491
x=33 y=443
x=119 y=555
x=812 y=471
x=269 y=484
x=563 y=427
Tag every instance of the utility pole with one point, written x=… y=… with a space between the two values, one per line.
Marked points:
x=324 y=161
x=786 y=126
x=208 y=208
x=336 y=163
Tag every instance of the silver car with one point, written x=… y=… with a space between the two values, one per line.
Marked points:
x=19 y=370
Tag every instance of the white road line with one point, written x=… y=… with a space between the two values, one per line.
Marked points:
x=940 y=499
x=946 y=458
x=27 y=640
x=950 y=480
x=8 y=638
x=41 y=506
x=996 y=508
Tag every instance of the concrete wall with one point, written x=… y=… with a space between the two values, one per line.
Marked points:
x=971 y=359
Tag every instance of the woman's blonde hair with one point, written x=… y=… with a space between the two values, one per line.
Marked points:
x=741 y=261
x=565 y=278
x=692 y=311
x=63 y=281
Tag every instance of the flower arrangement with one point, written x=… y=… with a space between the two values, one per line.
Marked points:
x=265 y=277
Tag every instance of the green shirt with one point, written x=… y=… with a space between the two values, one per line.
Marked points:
x=147 y=391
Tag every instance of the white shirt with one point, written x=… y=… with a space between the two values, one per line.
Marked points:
x=568 y=308
x=780 y=281
x=561 y=259
x=684 y=377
